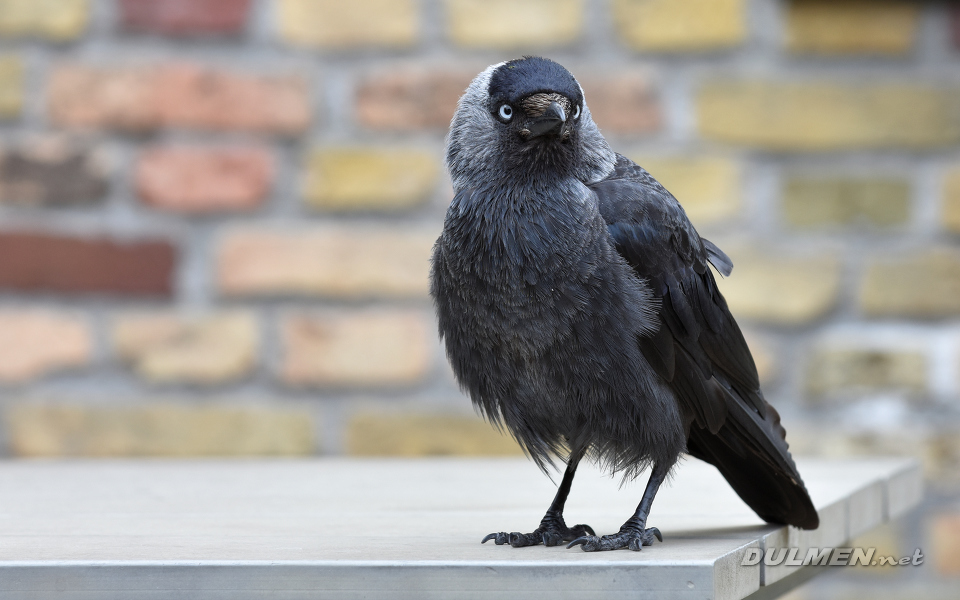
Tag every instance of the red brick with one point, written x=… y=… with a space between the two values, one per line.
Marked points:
x=41 y=262
x=52 y=172
x=944 y=536
x=367 y=349
x=88 y=97
x=185 y=17
x=36 y=342
x=197 y=180
x=180 y=95
x=345 y=260
x=417 y=98
x=410 y=99
x=625 y=103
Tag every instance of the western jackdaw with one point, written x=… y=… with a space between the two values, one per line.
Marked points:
x=578 y=310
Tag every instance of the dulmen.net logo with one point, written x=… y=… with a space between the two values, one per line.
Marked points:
x=827 y=557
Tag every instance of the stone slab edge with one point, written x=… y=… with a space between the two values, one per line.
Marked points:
x=240 y=580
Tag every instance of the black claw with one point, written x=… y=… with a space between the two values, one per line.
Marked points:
x=498 y=538
x=519 y=540
x=629 y=538
x=551 y=539
x=551 y=532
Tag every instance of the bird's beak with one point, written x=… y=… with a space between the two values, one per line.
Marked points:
x=552 y=121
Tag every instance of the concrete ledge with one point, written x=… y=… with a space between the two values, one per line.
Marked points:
x=341 y=528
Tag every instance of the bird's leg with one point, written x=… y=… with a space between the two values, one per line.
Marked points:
x=634 y=534
x=552 y=530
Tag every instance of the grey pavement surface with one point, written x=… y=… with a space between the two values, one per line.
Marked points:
x=398 y=528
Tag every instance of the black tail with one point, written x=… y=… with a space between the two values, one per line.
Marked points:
x=750 y=451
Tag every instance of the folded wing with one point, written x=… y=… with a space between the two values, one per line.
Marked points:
x=699 y=348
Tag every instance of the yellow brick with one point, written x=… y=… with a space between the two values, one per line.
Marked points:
x=11 y=86
x=339 y=24
x=811 y=202
x=354 y=178
x=347 y=261
x=925 y=285
x=681 y=25
x=425 y=435
x=764 y=356
x=172 y=348
x=828 y=116
x=157 y=430
x=950 y=213
x=938 y=453
x=852 y=26
x=780 y=289
x=841 y=369
x=942 y=460
x=57 y=20
x=707 y=187
x=509 y=24
x=361 y=348
x=818 y=439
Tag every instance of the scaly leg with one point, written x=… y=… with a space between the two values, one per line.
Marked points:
x=634 y=534
x=552 y=530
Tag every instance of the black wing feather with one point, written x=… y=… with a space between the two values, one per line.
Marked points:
x=699 y=349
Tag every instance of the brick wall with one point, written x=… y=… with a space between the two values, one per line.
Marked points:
x=215 y=215
x=232 y=202
x=227 y=203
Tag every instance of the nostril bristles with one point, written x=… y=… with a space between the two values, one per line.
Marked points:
x=536 y=104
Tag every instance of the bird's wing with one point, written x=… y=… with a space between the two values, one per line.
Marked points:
x=699 y=349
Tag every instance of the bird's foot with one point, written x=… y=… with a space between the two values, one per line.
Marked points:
x=552 y=531
x=633 y=538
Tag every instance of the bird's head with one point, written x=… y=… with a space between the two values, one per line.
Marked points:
x=525 y=118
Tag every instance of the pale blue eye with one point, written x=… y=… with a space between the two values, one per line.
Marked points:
x=506 y=112
x=576 y=113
